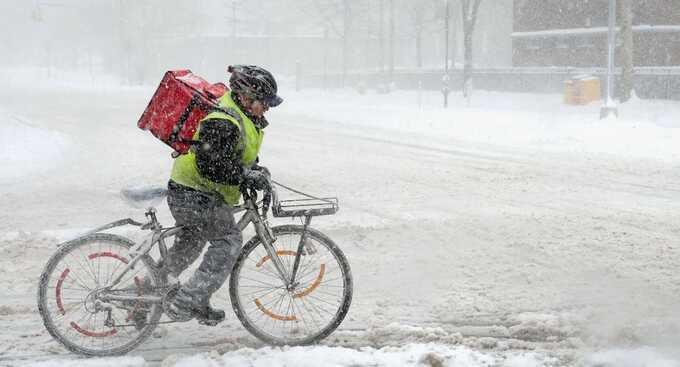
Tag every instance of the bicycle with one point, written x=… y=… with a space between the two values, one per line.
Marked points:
x=290 y=285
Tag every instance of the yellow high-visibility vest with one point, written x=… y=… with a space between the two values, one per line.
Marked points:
x=185 y=171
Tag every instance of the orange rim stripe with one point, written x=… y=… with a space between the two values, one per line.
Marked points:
x=93 y=333
x=273 y=315
x=60 y=305
x=314 y=285
x=108 y=254
x=280 y=253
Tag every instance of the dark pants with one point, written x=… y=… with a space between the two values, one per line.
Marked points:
x=206 y=218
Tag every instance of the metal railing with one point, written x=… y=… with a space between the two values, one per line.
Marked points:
x=649 y=82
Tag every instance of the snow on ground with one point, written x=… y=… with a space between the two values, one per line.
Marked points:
x=647 y=129
x=28 y=149
x=514 y=232
x=323 y=356
x=433 y=355
x=36 y=78
x=644 y=356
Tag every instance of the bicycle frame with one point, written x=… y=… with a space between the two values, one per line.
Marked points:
x=158 y=235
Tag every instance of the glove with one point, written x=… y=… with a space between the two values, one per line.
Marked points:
x=262 y=169
x=256 y=179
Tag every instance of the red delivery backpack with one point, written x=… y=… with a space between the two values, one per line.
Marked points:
x=180 y=102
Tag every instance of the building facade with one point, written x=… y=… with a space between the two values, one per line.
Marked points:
x=574 y=33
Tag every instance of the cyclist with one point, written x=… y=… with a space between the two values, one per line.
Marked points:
x=204 y=186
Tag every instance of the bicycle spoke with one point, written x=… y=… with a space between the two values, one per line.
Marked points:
x=271 y=290
x=266 y=267
x=68 y=289
x=256 y=281
x=258 y=286
x=114 y=272
x=73 y=277
x=87 y=268
x=304 y=303
x=318 y=292
x=288 y=313
x=324 y=282
x=278 y=310
x=314 y=272
x=268 y=272
x=309 y=314
x=321 y=300
x=264 y=305
x=299 y=318
x=68 y=311
x=306 y=264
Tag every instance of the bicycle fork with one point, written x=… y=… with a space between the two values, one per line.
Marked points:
x=267 y=237
x=301 y=248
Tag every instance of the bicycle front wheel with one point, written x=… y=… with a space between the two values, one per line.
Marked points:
x=69 y=296
x=303 y=313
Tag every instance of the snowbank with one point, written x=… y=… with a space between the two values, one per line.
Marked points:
x=631 y=358
x=410 y=355
x=538 y=122
x=433 y=355
x=98 y=362
x=50 y=77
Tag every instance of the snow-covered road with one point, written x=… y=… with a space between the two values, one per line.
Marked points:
x=467 y=250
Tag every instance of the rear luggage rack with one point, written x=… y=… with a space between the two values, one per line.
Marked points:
x=305 y=207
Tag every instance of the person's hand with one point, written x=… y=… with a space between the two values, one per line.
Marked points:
x=256 y=179
x=262 y=169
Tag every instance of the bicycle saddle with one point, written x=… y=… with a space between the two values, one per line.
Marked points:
x=143 y=196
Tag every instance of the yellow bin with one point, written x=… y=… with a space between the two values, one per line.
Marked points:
x=582 y=90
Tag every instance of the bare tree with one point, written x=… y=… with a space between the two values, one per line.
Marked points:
x=422 y=14
x=381 y=35
x=336 y=17
x=392 y=40
x=626 y=23
x=470 y=9
x=346 y=26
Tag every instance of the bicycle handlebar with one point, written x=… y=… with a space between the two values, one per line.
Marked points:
x=250 y=193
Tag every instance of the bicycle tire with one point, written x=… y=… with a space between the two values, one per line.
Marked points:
x=341 y=311
x=64 y=251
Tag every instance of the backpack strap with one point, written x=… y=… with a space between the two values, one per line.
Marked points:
x=236 y=116
x=196 y=102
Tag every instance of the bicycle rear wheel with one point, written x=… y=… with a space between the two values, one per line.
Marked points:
x=299 y=315
x=71 y=309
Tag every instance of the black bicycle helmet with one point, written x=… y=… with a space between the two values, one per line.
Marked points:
x=254 y=82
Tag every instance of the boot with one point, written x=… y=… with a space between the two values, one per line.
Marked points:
x=210 y=316
x=187 y=306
